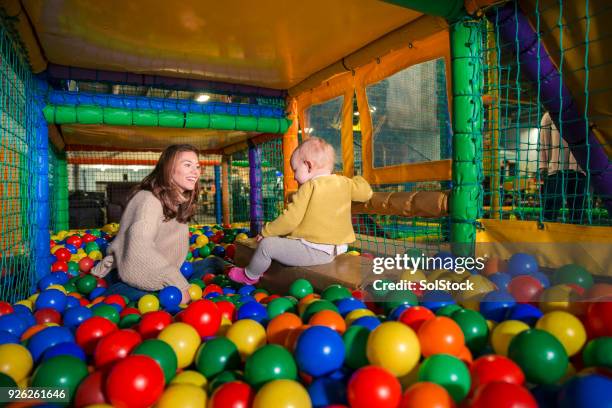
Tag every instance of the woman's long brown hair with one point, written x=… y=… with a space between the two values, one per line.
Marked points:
x=175 y=203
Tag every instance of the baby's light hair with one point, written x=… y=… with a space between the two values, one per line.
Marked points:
x=318 y=152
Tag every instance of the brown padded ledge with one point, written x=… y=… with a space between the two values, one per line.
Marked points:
x=427 y=204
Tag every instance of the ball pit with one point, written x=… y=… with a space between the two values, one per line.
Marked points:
x=517 y=339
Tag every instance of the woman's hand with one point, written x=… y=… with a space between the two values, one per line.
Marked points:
x=186 y=297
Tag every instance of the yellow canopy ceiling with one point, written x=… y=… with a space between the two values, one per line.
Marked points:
x=269 y=43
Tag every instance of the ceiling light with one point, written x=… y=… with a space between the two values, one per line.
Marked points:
x=203 y=98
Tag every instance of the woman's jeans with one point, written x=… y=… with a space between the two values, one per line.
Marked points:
x=200 y=268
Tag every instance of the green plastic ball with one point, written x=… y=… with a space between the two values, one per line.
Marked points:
x=448 y=310
x=317 y=306
x=573 y=273
x=108 y=312
x=279 y=306
x=86 y=284
x=70 y=287
x=162 y=353
x=540 y=355
x=300 y=288
x=474 y=328
x=449 y=372
x=60 y=372
x=397 y=298
x=355 y=345
x=198 y=282
x=222 y=378
x=335 y=292
x=128 y=321
x=216 y=356
x=268 y=363
x=6 y=381
x=73 y=268
x=598 y=353
x=91 y=246
x=204 y=251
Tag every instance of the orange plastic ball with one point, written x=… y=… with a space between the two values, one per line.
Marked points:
x=330 y=319
x=259 y=296
x=292 y=337
x=494 y=265
x=426 y=394
x=441 y=335
x=279 y=328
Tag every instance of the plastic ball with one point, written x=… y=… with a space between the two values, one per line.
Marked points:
x=540 y=355
x=247 y=335
x=474 y=328
x=278 y=306
x=525 y=313
x=8 y=338
x=115 y=346
x=148 y=303
x=522 y=264
x=525 y=288
x=62 y=255
x=347 y=305
x=90 y=391
x=503 y=334
x=60 y=371
x=15 y=361
x=162 y=353
x=335 y=292
x=204 y=316
x=269 y=363
x=52 y=299
x=183 y=339
x=86 y=264
x=190 y=377
x=48 y=316
x=501 y=280
x=282 y=393
x=373 y=386
x=319 y=351
x=503 y=395
x=566 y=328
x=495 y=368
x=395 y=347
x=355 y=344
x=599 y=317
x=449 y=372
x=332 y=320
x=440 y=335
x=300 y=288
x=64 y=349
x=370 y=322
x=586 y=391
x=573 y=273
x=86 y=284
x=252 y=310
x=279 y=327
x=106 y=311
x=415 y=316
x=47 y=338
x=327 y=391
x=496 y=305
x=436 y=299
x=356 y=314
x=91 y=331
x=182 y=395
x=223 y=378
x=217 y=355
x=135 y=381
x=426 y=394
x=170 y=297
x=195 y=292
x=598 y=353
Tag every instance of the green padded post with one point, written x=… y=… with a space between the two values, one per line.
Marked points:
x=60 y=193
x=466 y=195
x=449 y=9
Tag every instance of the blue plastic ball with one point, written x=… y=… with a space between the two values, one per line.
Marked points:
x=246 y=290
x=71 y=248
x=64 y=349
x=212 y=295
x=252 y=310
x=319 y=351
x=522 y=264
x=229 y=291
x=347 y=305
x=46 y=281
x=435 y=299
x=369 y=322
x=187 y=269
x=74 y=316
x=170 y=297
x=525 y=313
x=61 y=278
x=196 y=253
x=23 y=309
x=326 y=391
x=396 y=312
x=47 y=338
x=209 y=233
x=99 y=291
x=592 y=391
x=6 y=337
x=51 y=298
x=501 y=280
x=71 y=301
x=496 y=305
x=542 y=278
x=13 y=324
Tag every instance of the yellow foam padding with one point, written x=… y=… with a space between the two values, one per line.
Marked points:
x=140 y=137
x=430 y=48
x=290 y=142
x=574 y=50
x=554 y=245
x=272 y=43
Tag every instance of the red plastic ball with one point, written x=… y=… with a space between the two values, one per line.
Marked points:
x=87 y=238
x=373 y=386
x=495 y=368
x=235 y=394
x=74 y=240
x=91 y=390
x=63 y=254
x=227 y=309
x=599 y=317
x=91 y=331
x=48 y=315
x=203 y=315
x=59 y=266
x=5 y=308
x=212 y=288
x=152 y=323
x=416 y=316
x=115 y=346
x=230 y=251
x=101 y=283
x=525 y=288
x=358 y=294
x=129 y=311
x=116 y=299
x=85 y=264
x=135 y=382
x=207 y=279
x=503 y=395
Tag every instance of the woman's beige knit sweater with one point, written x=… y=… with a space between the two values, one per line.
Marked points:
x=147 y=251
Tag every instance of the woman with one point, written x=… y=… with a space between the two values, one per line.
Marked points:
x=153 y=237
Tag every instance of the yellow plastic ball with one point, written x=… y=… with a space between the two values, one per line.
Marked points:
x=503 y=334
x=33 y=298
x=182 y=396
x=224 y=327
x=61 y=288
x=470 y=298
x=95 y=255
x=183 y=339
x=566 y=328
x=195 y=292
x=394 y=346
x=15 y=361
x=304 y=303
x=353 y=253
x=356 y=314
x=27 y=303
x=282 y=393
x=201 y=241
x=148 y=303
x=558 y=297
x=190 y=377
x=247 y=335
x=241 y=237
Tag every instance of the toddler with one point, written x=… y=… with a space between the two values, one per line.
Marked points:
x=316 y=226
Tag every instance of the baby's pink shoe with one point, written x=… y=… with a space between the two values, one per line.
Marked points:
x=238 y=275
